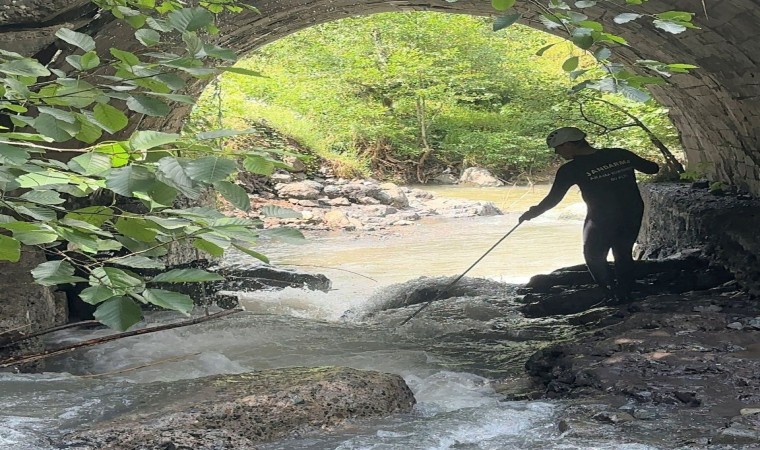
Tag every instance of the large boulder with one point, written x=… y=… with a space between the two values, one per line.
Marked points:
x=239 y=411
x=479 y=177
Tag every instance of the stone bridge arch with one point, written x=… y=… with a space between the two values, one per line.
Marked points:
x=716 y=109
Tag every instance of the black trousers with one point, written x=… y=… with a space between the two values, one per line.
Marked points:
x=619 y=235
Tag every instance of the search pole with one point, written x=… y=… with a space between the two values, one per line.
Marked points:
x=450 y=285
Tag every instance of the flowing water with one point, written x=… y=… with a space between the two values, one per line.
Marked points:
x=456 y=409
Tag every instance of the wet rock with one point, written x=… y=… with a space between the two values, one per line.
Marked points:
x=226 y=412
x=738 y=434
x=241 y=277
x=479 y=177
x=725 y=227
x=613 y=417
x=302 y=190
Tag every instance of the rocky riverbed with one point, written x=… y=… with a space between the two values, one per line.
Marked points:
x=354 y=205
x=677 y=367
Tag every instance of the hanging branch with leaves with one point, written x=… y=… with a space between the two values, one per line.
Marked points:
x=74 y=109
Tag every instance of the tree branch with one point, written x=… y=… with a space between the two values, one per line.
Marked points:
x=25 y=359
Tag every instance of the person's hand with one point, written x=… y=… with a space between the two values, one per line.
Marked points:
x=529 y=214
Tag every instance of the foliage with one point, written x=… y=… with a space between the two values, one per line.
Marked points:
x=105 y=244
x=411 y=89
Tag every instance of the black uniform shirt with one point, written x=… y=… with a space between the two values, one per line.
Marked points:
x=607 y=183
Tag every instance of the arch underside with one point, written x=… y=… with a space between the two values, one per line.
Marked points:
x=716 y=108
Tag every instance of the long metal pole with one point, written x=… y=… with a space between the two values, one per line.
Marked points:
x=450 y=285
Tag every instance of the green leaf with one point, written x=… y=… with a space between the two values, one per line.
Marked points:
x=505 y=21
x=109 y=118
x=89 y=61
x=681 y=68
x=285 y=234
x=591 y=25
x=282 y=213
x=138 y=229
x=611 y=38
x=10 y=249
x=158 y=24
x=570 y=64
x=146 y=249
x=36 y=180
x=210 y=169
x=186 y=276
x=44 y=197
x=603 y=54
x=159 y=195
x=218 y=239
x=193 y=44
x=118 y=152
x=501 y=5
x=147 y=37
x=13 y=156
x=75 y=61
x=174 y=97
x=241 y=71
x=169 y=300
x=59 y=114
x=31 y=233
x=137 y=21
x=90 y=163
x=669 y=26
x=250 y=252
x=127 y=58
x=208 y=247
x=259 y=165
x=53 y=128
x=189 y=19
x=76 y=39
x=35 y=212
x=543 y=49
x=127 y=180
x=634 y=94
x=626 y=17
x=170 y=223
x=584 y=41
x=138 y=262
x=114 y=278
x=215 y=51
x=88 y=132
x=94 y=215
x=172 y=171
x=149 y=106
x=98 y=294
x=69 y=92
x=26 y=67
x=145 y=140
x=584 y=4
x=233 y=194
x=679 y=16
x=118 y=313
x=55 y=272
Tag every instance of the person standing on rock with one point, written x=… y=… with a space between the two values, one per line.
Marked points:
x=608 y=186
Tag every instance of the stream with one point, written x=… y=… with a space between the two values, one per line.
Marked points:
x=457 y=408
